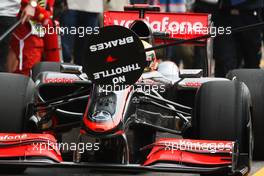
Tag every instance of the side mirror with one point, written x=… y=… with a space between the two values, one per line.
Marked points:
x=70 y=68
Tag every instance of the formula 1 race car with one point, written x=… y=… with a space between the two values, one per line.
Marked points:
x=125 y=103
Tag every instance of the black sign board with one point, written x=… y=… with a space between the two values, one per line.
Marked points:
x=115 y=56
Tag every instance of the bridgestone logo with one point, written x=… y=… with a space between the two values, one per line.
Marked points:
x=111 y=44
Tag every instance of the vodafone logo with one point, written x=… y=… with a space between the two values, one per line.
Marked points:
x=168 y=24
x=13 y=137
x=193 y=84
x=60 y=80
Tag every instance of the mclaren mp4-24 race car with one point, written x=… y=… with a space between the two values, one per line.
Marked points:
x=132 y=111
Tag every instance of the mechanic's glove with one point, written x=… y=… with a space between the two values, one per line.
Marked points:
x=39 y=13
x=27 y=13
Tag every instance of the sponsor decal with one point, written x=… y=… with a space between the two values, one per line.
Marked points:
x=193 y=84
x=13 y=137
x=180 y=26
x=168 y=24
x=60 y=80
x=197 y=82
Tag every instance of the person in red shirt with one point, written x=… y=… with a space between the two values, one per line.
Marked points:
x=31 y=42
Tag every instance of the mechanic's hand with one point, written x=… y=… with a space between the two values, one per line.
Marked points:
x=27 y=13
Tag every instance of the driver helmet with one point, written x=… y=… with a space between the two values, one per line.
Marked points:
x=152 y=61
x=170 y=70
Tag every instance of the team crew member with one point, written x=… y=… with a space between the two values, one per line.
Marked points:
x=246 y=45
x=173 y=5
x=80 y=14
x=31 y=42
x=203 y=6
x=8 y=11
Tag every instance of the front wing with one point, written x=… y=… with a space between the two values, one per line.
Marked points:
x=167 y=155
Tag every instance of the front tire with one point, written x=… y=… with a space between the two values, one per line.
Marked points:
x=222 y=112
x=16 y=92
x=254 y=79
